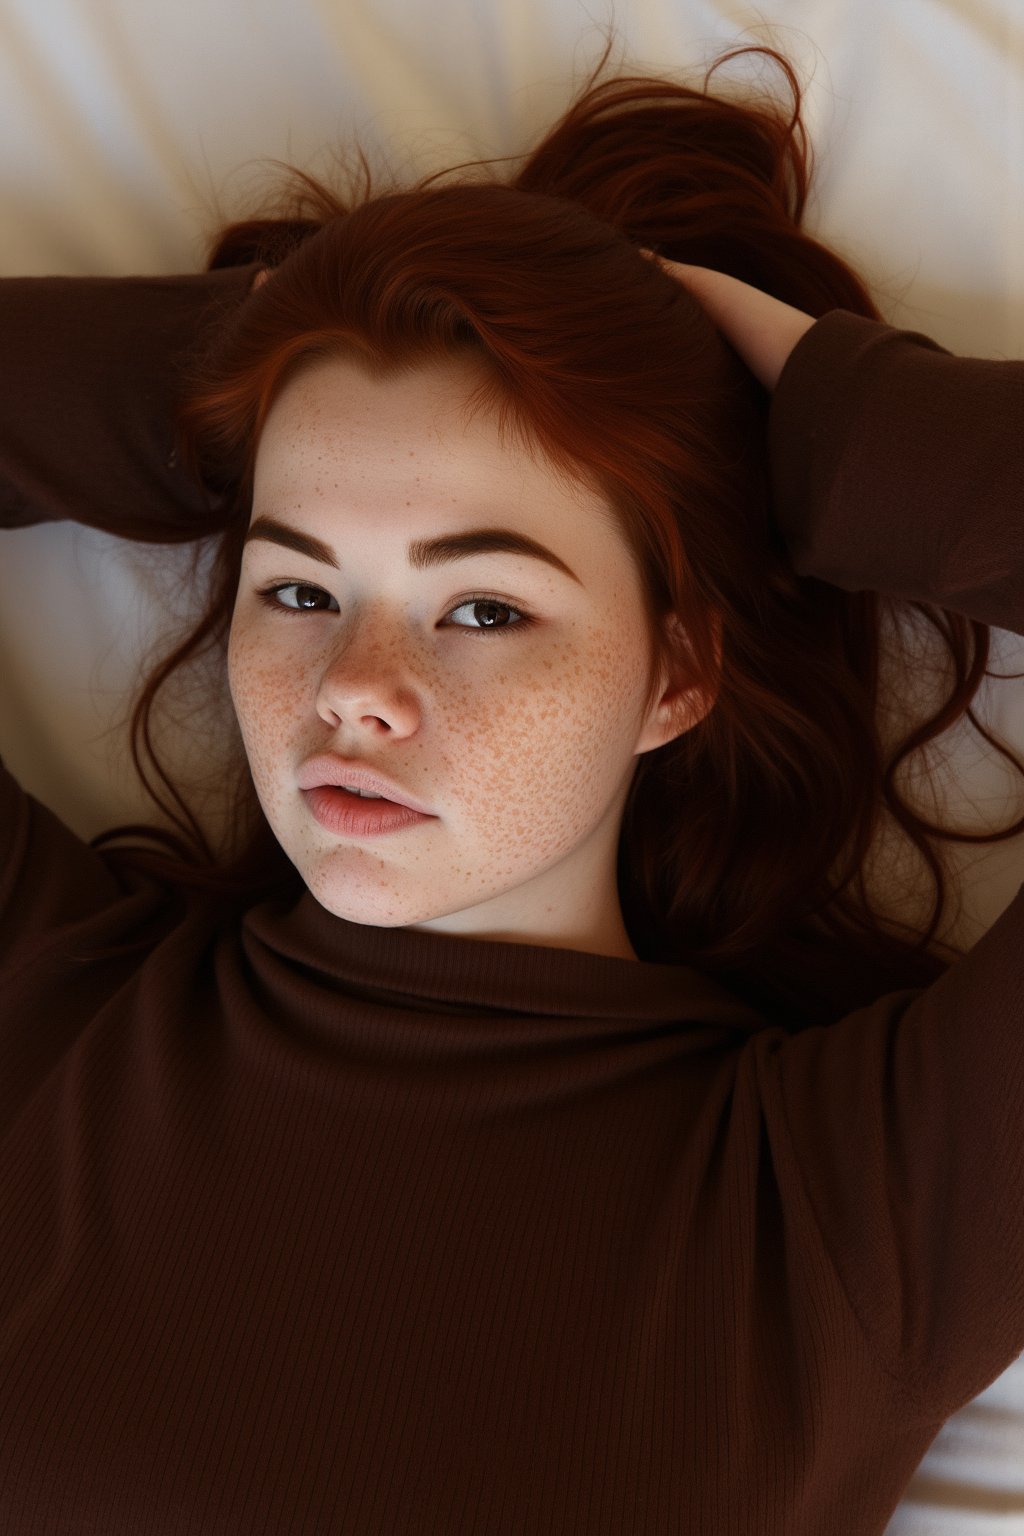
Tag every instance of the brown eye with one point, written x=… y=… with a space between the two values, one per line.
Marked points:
x=304 y=596
x=488 y=613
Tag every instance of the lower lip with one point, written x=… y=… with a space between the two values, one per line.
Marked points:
x=339 y=811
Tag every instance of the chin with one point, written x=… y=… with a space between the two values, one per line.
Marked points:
x=363 y=912
x=375 y=898
x=373 y=910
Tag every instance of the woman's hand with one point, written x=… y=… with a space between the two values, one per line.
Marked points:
x=763 y=330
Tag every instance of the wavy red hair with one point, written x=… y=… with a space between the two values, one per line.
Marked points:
x=744 y=841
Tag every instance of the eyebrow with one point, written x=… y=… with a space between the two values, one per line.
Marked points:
x=422 y=553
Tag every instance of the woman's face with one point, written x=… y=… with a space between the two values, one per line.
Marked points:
x=501 y=692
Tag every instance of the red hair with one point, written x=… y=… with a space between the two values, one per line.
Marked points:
x=743 y=841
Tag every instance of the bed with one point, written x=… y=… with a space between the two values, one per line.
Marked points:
x=131 y=128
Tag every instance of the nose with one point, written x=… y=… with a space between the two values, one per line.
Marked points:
x=367 y=682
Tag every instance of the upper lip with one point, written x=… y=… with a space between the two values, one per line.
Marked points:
x=328 y=769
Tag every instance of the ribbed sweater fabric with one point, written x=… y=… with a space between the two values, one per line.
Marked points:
x=308 y=1226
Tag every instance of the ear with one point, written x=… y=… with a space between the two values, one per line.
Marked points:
x=678 y=708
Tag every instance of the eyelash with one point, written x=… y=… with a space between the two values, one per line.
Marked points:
x=268 y=595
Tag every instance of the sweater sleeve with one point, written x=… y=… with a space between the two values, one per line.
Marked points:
x=90 y=370
x=90 y=375
x=899 y=468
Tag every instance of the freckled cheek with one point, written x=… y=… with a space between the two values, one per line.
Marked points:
x=267 y=703
x=551 y=745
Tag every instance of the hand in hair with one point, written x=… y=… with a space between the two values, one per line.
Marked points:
x=762 y=329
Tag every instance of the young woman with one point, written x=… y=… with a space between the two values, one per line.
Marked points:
x=561 y=1144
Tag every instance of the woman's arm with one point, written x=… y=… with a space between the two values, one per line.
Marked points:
x=898 y=467
x=89 y=374
x=90 y=370
x=762 y=329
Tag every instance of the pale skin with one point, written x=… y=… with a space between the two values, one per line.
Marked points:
x=523 y=743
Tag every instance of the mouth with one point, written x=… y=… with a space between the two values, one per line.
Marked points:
x=328 y=771
x=351 y=815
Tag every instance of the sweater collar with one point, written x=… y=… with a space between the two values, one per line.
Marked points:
x=421 y=971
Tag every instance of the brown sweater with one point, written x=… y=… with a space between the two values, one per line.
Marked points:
x=307 y=1226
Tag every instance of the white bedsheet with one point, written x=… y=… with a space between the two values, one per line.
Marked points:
x=131 y=127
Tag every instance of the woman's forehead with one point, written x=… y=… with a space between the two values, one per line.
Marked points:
x=413 y=434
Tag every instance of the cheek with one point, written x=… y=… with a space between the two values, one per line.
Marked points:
x=535 y=758
x=265 y=697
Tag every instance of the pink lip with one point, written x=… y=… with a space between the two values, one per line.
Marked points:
x=338 y=811
x=328 y=769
